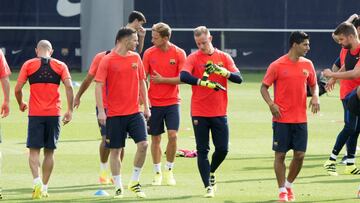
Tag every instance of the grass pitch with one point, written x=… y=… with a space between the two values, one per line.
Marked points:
x=245 y=176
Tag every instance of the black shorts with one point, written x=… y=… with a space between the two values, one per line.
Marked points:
x=160 y=114
x=289 y=136
x=43 y=131
x=102 y=128
x=118 y=127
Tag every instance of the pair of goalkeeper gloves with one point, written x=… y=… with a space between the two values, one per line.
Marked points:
x=210 y=67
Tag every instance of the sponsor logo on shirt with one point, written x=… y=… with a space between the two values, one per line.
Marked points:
x=172 y=62
x=134 y=65
x=305 y=72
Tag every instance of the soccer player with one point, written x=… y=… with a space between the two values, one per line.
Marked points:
x=163 y=62
x=123 y=72
x=136 y=21
x=208 y=103
x=350 y=79
x=290 y=74
x=4 y=79
x=355 y=20
x=44 y=75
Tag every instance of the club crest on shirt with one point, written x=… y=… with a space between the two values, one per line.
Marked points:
x=172 y=62
x=305 y=72
x=220 y=63
x=134 y=65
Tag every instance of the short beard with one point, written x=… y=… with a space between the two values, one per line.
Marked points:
x=347 y=46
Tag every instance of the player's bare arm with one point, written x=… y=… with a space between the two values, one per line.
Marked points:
x=19 y=96
x=83 y=87
x=274 y=108
x=6 y=90
x=70 y=101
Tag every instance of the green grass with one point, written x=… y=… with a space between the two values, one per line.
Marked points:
x=245 y=176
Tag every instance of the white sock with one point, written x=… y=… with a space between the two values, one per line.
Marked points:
x=37 y=180
x=169 y=166
x=288 y=184
x=117 y=181
x=333 y=156
x=136 y=174
x=103 y=166
x=350 y=161
x=282 y=189
x=45 y=188
x=157 y=168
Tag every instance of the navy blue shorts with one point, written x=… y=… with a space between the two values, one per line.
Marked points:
x=351 y=103
x=289 y=136
x=160 y=114
x=43 y=131
x=118 y=127
x=219 y=132
x=102 y=128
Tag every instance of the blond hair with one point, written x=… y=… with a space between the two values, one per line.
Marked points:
x=201 y=30
x=163 y=29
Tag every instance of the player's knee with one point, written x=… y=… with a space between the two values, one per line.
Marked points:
x=222 y=152
x=155 y=140
x=172 y=138
x=349 y=130
x=143 y=145
x=202 y=152
x=33 y=159
x=280 y=157
x=49 y=155
x=299 y=156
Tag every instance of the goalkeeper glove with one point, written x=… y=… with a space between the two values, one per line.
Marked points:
x=221 y=71
x=212 y=85
x=213 y=68
x=209 y=67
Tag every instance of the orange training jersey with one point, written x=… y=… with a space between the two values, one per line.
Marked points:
x=92 y=71
x=44 y=85
x=290 y=79
x=122 y=75
x=350 y=59
x=207 y=102
x=4 y=67
x=167 y=64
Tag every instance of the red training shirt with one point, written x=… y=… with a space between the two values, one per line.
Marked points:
x=167 y=64
x=290 y=79
x=207 y=102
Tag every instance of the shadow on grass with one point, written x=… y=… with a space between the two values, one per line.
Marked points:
x=310 y=157
x=297 y=200
x=332 y=200
x=92 y=140
x=64 y=189
x=270 y=167
x=332 y=181
x=264 y=179
x=105 y=199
